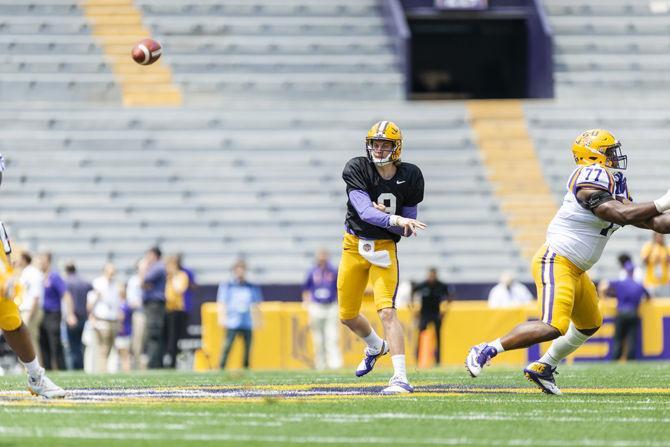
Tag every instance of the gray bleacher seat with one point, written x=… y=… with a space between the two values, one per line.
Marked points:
x=220 y=176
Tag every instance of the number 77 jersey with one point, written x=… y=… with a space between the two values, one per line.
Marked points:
x=576 y=232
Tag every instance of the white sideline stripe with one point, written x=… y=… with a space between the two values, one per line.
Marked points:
x=78 y=433
x=345 y=418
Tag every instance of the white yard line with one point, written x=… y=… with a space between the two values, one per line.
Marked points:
x=242 y=418
x=78 y=433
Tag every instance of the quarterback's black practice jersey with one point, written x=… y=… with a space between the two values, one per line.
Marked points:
x=403 y=190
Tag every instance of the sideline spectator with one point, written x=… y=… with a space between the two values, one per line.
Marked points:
x=656 y=259
x=76 y=313
x=50 y=328
x=152 y=277
x=176 y=318
x=104 y=304
x=320 y=298
x=192 y=284
x=238 y=300
x=432 y=292
x=122 y=341
x=509 y=293
x=628 y=293
x=134 y=294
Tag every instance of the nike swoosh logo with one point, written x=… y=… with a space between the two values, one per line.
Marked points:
x=399 y=182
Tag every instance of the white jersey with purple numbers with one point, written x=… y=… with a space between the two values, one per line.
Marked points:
x=577 y=233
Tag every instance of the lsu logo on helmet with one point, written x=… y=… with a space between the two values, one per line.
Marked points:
x=598 y=146
x=384 y=131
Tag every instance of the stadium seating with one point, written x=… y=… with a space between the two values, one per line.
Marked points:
x=218 y=184
x=276 y=97
x=611 y=71
x=611 y=44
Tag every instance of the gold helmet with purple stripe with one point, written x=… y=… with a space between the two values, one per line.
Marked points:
x=384 y=131
x=599 y=146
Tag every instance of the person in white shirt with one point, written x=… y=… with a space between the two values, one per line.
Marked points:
x=509 y=293
x=32 y=283
x=104 y=305
x=137 y=337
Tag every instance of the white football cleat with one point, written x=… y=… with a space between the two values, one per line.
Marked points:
x=478 y=357
x=398 y=385
x=370 y=359
x=43 y=386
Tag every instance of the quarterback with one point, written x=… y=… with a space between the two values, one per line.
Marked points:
x=596 y=204
x=383 y=194
x=15 y=332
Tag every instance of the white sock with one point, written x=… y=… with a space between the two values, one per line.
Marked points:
x=373 y=341
x=399 y=368
x=564 y=346
x=34 y=369
x=496 y=344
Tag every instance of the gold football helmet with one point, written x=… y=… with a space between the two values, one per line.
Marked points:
x=385 y=131
x=599 y=146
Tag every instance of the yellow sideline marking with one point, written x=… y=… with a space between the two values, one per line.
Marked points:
x=514 y=170
x=117 y=26
x=19 y=399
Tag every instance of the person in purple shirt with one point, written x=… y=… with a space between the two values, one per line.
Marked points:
x=50 y=329
x=629 y=293
x=319 y=297
x=122 y=340
x=192 y=285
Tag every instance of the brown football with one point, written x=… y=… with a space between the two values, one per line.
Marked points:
x=147 y=52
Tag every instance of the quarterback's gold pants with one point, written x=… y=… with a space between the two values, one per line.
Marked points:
x=353 y=275
x=10 y=320
x=565 y=292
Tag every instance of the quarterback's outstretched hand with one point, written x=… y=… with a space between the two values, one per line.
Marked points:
x=409 y=226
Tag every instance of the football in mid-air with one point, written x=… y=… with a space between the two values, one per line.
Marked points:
x=147 y=52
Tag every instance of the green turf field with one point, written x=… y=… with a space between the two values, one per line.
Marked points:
x=604 y=405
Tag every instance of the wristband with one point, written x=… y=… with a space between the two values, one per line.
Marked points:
x=394 y=220
x=662 y=203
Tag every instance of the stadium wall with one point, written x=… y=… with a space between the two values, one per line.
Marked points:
x=283 y=339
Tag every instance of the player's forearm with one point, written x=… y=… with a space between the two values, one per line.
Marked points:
x=659 y=224
x=366 y=211
x=638 y=213
x=629 y=214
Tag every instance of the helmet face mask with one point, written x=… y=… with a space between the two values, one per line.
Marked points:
x=382 y=152
x=383 y=143
x=615 y=158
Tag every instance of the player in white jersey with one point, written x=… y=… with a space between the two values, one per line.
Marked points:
x=595 y=205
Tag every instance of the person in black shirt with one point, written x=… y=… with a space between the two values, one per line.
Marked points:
x=76 y=313
x=383 y=196
x=432 y=292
